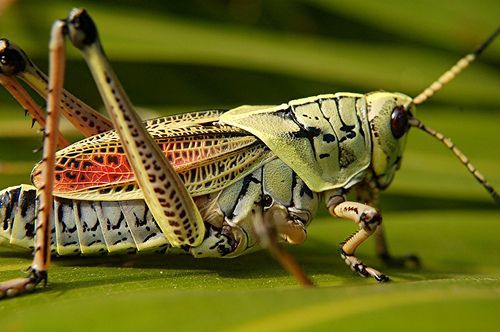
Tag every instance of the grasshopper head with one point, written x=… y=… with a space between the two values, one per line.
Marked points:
x=392 y=114
x=389 y=115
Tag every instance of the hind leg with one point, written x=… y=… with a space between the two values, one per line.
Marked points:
x=38 y=270
x=30 y=106
x=164 y=192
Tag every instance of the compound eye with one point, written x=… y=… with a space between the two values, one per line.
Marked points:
x=399 y=121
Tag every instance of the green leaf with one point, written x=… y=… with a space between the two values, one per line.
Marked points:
x=196 y=55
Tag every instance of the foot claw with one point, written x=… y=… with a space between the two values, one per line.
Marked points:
x=407 y=262
x=358 y=266
x=382 y=278
x=19 y=286
x=360 y=269
x=14 y=287
x=11 y=292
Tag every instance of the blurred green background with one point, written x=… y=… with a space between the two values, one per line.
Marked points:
x=179 y=56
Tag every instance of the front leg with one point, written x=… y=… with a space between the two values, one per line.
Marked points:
x=368 y=219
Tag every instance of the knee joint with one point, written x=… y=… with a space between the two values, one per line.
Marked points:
x=369 y=221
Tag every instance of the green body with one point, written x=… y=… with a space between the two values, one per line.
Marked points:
x=278 y=163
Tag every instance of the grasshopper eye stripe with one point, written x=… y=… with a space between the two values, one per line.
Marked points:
x=216 y=183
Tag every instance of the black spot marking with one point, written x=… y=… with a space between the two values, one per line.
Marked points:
x=328 y=138
x=29 y=230
x=159 y=191
x=118 y=224
x=70 y=175
x=28 y=199
x=350 y=134
x=105 y=191
x=74 y=163
x=147 y=238
x=113 y=160
x=86 y=164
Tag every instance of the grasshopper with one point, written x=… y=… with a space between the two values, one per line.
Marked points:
x=216 y=183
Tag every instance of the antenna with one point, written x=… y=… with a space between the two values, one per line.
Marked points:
x=454 y=71
x=459 y=154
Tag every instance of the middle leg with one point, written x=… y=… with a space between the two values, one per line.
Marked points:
x=367 y=193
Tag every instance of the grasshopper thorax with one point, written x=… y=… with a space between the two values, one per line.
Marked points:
x=388 y=115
